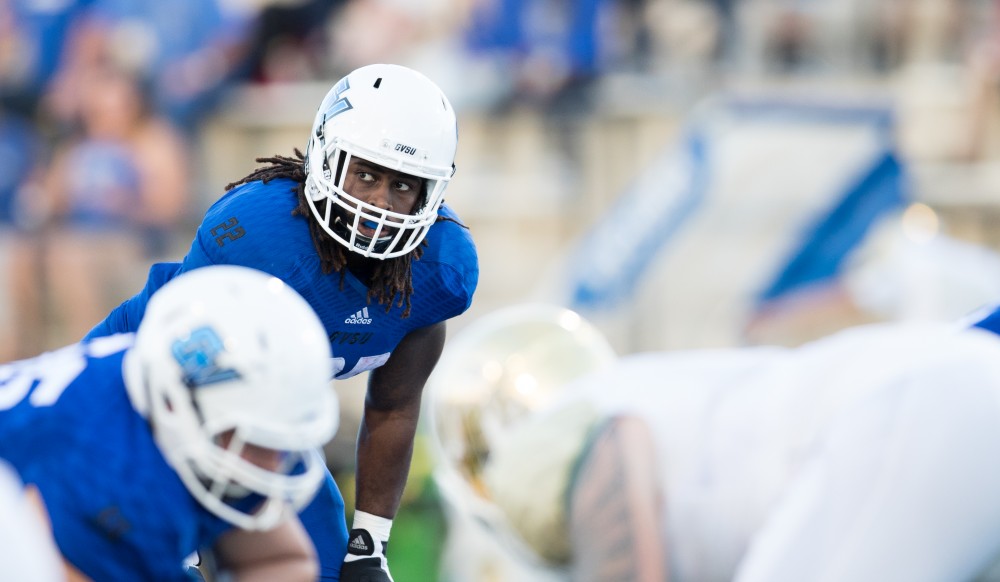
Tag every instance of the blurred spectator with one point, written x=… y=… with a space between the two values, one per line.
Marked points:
x=688 y=38
x=33 y=34
x=115 y=195
x=290 y=40
x=728 y=34
x=20 y=307
x=554 y=49
x=982 y=67
x=190 y=50
x=404 y=30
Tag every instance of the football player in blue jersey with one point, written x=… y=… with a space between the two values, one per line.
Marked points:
x=202 y=429
x=358 y=226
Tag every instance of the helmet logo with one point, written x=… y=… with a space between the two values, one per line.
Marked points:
x=339 y=103
x=197 y=355
x=408 y=150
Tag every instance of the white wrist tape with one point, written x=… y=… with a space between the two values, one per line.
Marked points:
x=377 y=526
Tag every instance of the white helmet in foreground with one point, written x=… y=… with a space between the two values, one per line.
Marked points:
x=394 y=117
x=493 y=377
x=226 y=360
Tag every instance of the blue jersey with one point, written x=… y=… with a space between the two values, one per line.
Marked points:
x=118 y=510
x=253 y=226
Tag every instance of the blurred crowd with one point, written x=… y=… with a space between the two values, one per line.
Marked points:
x=101 y=101
x=100 y=106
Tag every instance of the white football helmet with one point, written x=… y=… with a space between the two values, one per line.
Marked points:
x=228 y=357
x=394 y=117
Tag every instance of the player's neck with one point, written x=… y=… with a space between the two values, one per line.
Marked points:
x=363 y=268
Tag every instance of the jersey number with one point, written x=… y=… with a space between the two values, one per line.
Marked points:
x=46 y=377
x=49 y=374
x=229 y=229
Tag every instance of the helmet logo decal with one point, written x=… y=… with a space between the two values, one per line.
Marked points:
x=340 y=103
x=197 y=355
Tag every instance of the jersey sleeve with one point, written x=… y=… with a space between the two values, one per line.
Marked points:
x=453 y=282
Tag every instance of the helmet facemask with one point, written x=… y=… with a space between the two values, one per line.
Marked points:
x=346 y=217
x=209 y=459
x=245 y=494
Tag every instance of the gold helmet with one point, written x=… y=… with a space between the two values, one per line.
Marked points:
x=492 y=378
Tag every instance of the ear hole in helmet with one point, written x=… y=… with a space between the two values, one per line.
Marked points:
x=341 y=167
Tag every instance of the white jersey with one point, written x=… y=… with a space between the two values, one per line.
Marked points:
x=27 y=552
x=869 y=455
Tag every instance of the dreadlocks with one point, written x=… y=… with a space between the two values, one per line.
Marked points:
x=391 y=280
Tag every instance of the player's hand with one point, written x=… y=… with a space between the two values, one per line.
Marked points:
x=365 y=560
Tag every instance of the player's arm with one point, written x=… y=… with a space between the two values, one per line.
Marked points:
x=392 y=408
x=282 y=553
x=385 y=447
x=616 y=508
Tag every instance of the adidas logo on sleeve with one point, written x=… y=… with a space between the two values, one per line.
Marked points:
x=359 y=317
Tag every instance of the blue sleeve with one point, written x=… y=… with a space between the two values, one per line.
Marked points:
x=324 y=520
x=126 y=317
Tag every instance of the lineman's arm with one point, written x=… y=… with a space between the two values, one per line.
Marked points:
x=392 y=408
x=616 y=508
x=283 y=553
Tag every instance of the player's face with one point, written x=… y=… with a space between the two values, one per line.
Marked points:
x=268 y=459
x=382 y=187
